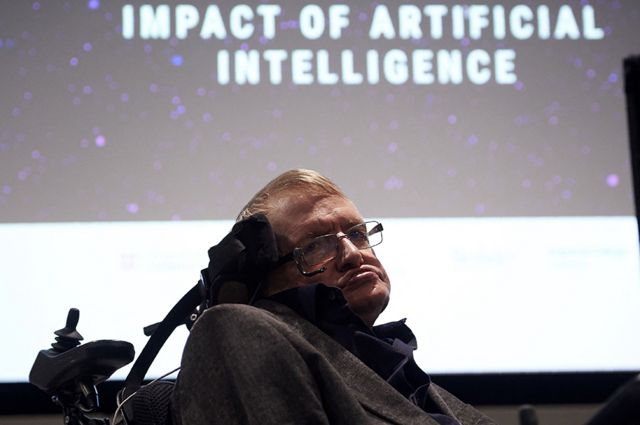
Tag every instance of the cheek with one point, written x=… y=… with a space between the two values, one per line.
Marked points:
x=285 y=277
x=371 y=259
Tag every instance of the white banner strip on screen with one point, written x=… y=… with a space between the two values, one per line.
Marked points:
x=482 y=295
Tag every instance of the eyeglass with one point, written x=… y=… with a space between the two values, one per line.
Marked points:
x=311 y=256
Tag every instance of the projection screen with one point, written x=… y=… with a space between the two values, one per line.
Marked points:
x=489 y=139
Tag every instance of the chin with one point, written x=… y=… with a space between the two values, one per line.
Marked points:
x=368 y=301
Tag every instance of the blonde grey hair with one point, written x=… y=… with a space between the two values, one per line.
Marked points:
x=307 y=181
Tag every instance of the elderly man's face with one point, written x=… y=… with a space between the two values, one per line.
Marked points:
x=296 y=219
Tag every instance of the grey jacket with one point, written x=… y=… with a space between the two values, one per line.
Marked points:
x=267 y=365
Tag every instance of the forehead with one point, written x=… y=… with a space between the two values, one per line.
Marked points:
x=295 y=216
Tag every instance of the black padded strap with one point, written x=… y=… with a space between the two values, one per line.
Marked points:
x=176 y=317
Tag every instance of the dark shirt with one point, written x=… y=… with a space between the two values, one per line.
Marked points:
x=386 y=349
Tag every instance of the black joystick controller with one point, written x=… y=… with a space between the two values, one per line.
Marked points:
x=68 y=337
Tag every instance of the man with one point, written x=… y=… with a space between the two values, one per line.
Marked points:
x=306 y=352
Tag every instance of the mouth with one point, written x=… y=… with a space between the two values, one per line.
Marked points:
x=358 y=277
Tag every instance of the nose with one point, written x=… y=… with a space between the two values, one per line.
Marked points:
x=349 y=256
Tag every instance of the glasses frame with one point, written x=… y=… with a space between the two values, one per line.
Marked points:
x=298 y=257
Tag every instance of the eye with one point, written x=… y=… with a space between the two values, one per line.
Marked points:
x=310 y=248
x=318 y=250
x=359 y=237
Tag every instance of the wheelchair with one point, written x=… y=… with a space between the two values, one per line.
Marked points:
x=69 y=372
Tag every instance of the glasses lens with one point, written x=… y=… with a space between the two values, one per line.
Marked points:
x=374 y=233
x=317 y=251
x=359 y=236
